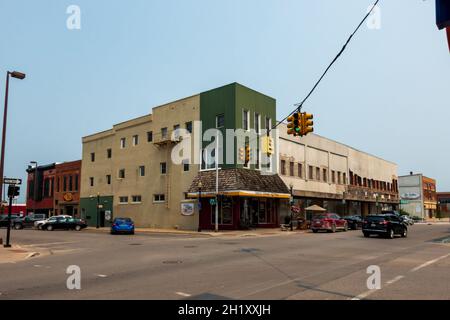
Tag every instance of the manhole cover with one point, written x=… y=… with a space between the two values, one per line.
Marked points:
x=249 y=250
x=135 y=244
x=172 y=262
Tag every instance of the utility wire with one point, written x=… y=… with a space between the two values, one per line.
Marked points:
x=300 y=105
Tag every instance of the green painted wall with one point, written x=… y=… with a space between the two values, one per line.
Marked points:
x=231 y=100
x=88 y=209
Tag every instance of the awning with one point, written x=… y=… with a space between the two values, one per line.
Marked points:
x=315 y=208
x=240 y=193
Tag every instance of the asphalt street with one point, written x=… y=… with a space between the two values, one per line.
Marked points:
x=287 y=266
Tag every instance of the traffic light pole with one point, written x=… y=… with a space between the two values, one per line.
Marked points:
x=8 y=231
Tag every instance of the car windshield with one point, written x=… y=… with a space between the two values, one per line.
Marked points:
x=123 y=221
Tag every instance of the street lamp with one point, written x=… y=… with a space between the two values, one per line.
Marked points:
x=98 y=210
x=291 y=186
x=200 y=185
x=20 y=76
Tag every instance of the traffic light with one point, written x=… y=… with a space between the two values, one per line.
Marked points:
x=242 y=154
x=306 y=124
x=267 y=145
x=247 y=154
x=13 y=191
x=294 y=124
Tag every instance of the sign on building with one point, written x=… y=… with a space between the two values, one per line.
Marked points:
x=187 y=209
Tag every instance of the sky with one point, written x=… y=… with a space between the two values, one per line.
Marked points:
x=387 y=95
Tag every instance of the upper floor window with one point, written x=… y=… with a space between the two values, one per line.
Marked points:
x=122 y=174
x=108 y=179
x=70 y=183
x=339 y=177
x=142 y=171
x=123 y=143
x=325 y=175
x=333 y=176
x=91 y=181
x=185 y=165
x=176 y=130
x=109 y=153
x=245 y=120
x=220 y=121
x=283 y=167
x=317 y=173
x=257 y=123
x=135 y=140
x=344 y=178
x=123 y=199
x=65 y=183
x=163 y=168
x=164 y=133
x=92 y=156
x=310 y=172
x=136 y=199
x=150 y=136
x=300 y=170
x=291 y=169
x=189 y=126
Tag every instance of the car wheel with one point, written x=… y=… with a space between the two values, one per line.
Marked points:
x=405 y=233
x=77 y=228
x=366 y=235
x=391 y=234
x=17 y=226
x=49 y=228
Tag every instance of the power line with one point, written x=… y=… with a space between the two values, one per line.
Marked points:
x=300 y=105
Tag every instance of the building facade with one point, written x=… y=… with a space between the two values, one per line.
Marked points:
x=335 y=176
x=418 y=195
x=40 y=189
x=443 y=200
x=67 y=188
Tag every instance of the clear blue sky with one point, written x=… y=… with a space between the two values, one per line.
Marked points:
x=387 y=95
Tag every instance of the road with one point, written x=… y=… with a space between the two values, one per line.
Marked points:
x=288 y=266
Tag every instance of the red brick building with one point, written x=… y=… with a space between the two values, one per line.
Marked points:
x=54 y=189
x=443 y=199
x=67 y=188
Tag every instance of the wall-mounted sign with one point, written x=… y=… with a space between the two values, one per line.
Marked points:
x=410 y=196
x=68 y=197
x=187 y=209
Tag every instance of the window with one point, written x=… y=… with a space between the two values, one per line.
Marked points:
x=176 y=130
x=123 y=199
x=339 y=177
x=189 y=126
x=65 y=183
x=122 y=174
x=108 y=179
x=333 y=176
x=163 y=168
x=185 y=165
x=135 y=140
x=123 y=143
x=70 y=183
x=310 y=173
x=325 y=175
x=159 y=198
x=257 y=123
x=57 y=185
x=92 y=157
x=283 y=167
x=164 y=133
x=109 y=153
x=220 y=121
x=300 y=170
x=245 y=124
x=344 y=178
x=150 y=136
x=142 y=171
x=291 y=169
x=136 y=199
x=91 y=181
x=317 y=173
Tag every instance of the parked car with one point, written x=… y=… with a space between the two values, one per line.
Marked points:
x=27 y=221
x=387 y=225
x=122 y=225
x=329 y=222
x=64 y=224
x=354 y=222
x=4 y=220
x=38 y=224
x=408 y=220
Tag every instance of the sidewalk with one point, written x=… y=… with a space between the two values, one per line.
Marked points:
x=207 y=233
x=15 y=254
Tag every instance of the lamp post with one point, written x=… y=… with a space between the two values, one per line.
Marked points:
x=35 y=184
x=98 y=210
x=200 y=185
x=291 y=186
x=20 y=76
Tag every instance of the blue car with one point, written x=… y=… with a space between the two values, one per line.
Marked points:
x=122 y=225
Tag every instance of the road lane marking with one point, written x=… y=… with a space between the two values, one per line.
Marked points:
x=101 y=275
x=46 y=244
x=182 y=294
x=428 y=263
x=395 y=279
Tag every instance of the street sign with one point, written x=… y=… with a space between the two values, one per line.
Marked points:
x=12 y=181
x=212 y=201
